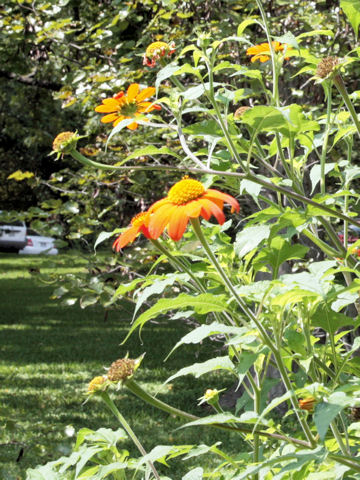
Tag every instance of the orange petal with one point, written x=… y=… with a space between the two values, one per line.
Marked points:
x=206 y=208
x=109 y=118
x=106 y=108
x=111 y=101
x=193 y=209
x=127 y=237
x=146 y=93
x=155 y=206
x=217 y=212
x=210 y=194
x=132 y=91
x=120 y=117
x=178 y=223
x=132 y=126
x=160 y=219
x=147 y=107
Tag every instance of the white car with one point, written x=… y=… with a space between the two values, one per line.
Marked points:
x=37 y=243
x=13 y=235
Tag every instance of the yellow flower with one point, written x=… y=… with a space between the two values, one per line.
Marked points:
x=96 y=384
x=129 y=105
x=187 y=199
x=262 y=52
x=156 y=50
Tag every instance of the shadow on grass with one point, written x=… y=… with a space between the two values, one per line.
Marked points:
x=49 y=353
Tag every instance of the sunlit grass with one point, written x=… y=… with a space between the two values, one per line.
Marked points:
x=48 y=354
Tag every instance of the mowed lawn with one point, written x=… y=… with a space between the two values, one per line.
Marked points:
x=49 y=353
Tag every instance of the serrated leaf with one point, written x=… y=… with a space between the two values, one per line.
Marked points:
x=332 y=321
x=199 y=369
x=202 y=304
x=200 y=333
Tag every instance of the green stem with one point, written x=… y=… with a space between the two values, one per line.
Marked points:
x=349 y=462
x=339 y=439
x=262 y=331
x=325 y=143
x=139 y=392
x=339 y=83
x=112 y=407
x=248 y=176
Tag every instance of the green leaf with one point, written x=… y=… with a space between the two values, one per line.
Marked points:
x=324 y=415
x=199 y=369
x=195 y=474
x=202 y=304
x=244 y=24
x=278 y=252
x=331 y=321
x=102 y=237
x=315 y=173
x=250 y=238
x=351 y=9
x=198 y=334
x=289 y=39
x=150 y=150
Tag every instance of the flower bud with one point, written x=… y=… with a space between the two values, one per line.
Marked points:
x=97 y=384
x=307 y=404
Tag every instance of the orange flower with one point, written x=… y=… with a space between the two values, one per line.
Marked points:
x=155 y=51
x=187 y=199
x=138 y=224
x=131 y=105
x=307 y=404
x=262 y=52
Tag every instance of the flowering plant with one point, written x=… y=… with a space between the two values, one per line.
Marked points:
x=271 y=286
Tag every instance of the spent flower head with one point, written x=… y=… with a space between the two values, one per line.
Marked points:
x=157 y=50
x=122 y=369
x=65 y=142
x=327 y=67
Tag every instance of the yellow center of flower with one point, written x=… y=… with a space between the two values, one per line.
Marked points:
x=186 y=190
x=139 y=219
x=155 y=48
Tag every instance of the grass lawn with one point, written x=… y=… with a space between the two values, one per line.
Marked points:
x=49 y=353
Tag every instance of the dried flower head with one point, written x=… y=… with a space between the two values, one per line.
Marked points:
x=327 y=66
x=307 y=404
x=240 y=111
x=121 y=369
x=65 y=142
x=157 y=50
x=96 y=384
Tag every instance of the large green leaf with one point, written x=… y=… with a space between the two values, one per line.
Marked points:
x=332 y=321
x=199 y=369
x=202 y=304
x=324 y=415
x=351 y=9
x=198 y=334
x=250 y=238
x=150 y=150
x=194 y=474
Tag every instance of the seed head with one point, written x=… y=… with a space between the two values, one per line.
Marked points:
x=327 y=66
x=121 y=369
x=65 y=142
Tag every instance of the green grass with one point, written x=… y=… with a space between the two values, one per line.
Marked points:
x=49 y=353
